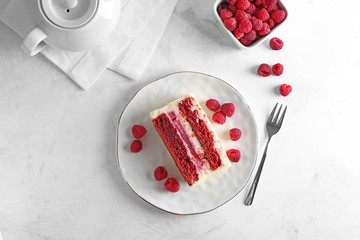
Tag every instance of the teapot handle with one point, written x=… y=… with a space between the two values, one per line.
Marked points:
x=34 y=42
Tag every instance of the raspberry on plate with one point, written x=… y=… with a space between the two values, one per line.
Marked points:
x=234 y=155
x=219 y=118
x=263 y=15
x=285 y=89
x=245 y=26
x=136 y=146
x=276 y=43
x=213 y=105
x=172 y=185
x=242 y=4
x=278 y=16
x=228 y=109
x=264 y=70
x=235 y=134
x=278 y=69
x=160 y=173
x=138 y=131
x=230 y=24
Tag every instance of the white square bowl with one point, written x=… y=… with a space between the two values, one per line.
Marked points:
x=230 y=34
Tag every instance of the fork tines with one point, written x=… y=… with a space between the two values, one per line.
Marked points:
x=275 y=120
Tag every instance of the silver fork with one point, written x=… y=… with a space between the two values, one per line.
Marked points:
x=272 y=127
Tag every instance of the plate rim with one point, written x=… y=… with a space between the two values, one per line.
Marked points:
x=117 y=142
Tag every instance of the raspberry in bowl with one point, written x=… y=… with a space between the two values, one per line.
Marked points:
x=264 y=16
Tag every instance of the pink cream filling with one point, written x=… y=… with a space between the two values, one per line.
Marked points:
x=183 y=131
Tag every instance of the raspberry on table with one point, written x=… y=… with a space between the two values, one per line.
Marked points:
x=263 y=15
x=242 y=4
x=278 y=69
x=264 y=30
x=257 y=24
x=226 y=14
x=138 y=131
x=234 y=155
x=228 y=109
x=245 y=26
x=172 y=185
x=264 y=70
x=278 y=16
x=219 y=118
x=251 y=36
x=276 y=43
x=230 y=24
x=285 y=89
x=136 y=146
x=213 y=104
x=245 y=41
x=238 y=34
x=235 y=134
x=160 y=173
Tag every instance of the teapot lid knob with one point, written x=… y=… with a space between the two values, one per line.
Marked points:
x=70 y=3
x=69 y=13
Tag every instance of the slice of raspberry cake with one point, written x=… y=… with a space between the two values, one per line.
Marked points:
x=190 y=139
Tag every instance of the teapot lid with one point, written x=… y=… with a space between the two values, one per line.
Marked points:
x=69 y=13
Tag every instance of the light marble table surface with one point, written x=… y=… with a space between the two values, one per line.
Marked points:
x=58 y=172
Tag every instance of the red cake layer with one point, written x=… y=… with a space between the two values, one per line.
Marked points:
x=184 y=136
x=176 y=147
x=202 y=133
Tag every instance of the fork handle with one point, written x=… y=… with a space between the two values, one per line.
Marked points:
x=250 y=197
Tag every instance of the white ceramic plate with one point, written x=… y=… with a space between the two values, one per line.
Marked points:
x=137 y=169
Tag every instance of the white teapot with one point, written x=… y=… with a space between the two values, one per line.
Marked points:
x=73 y=25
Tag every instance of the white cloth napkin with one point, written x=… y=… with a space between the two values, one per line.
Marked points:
x=127 y=51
